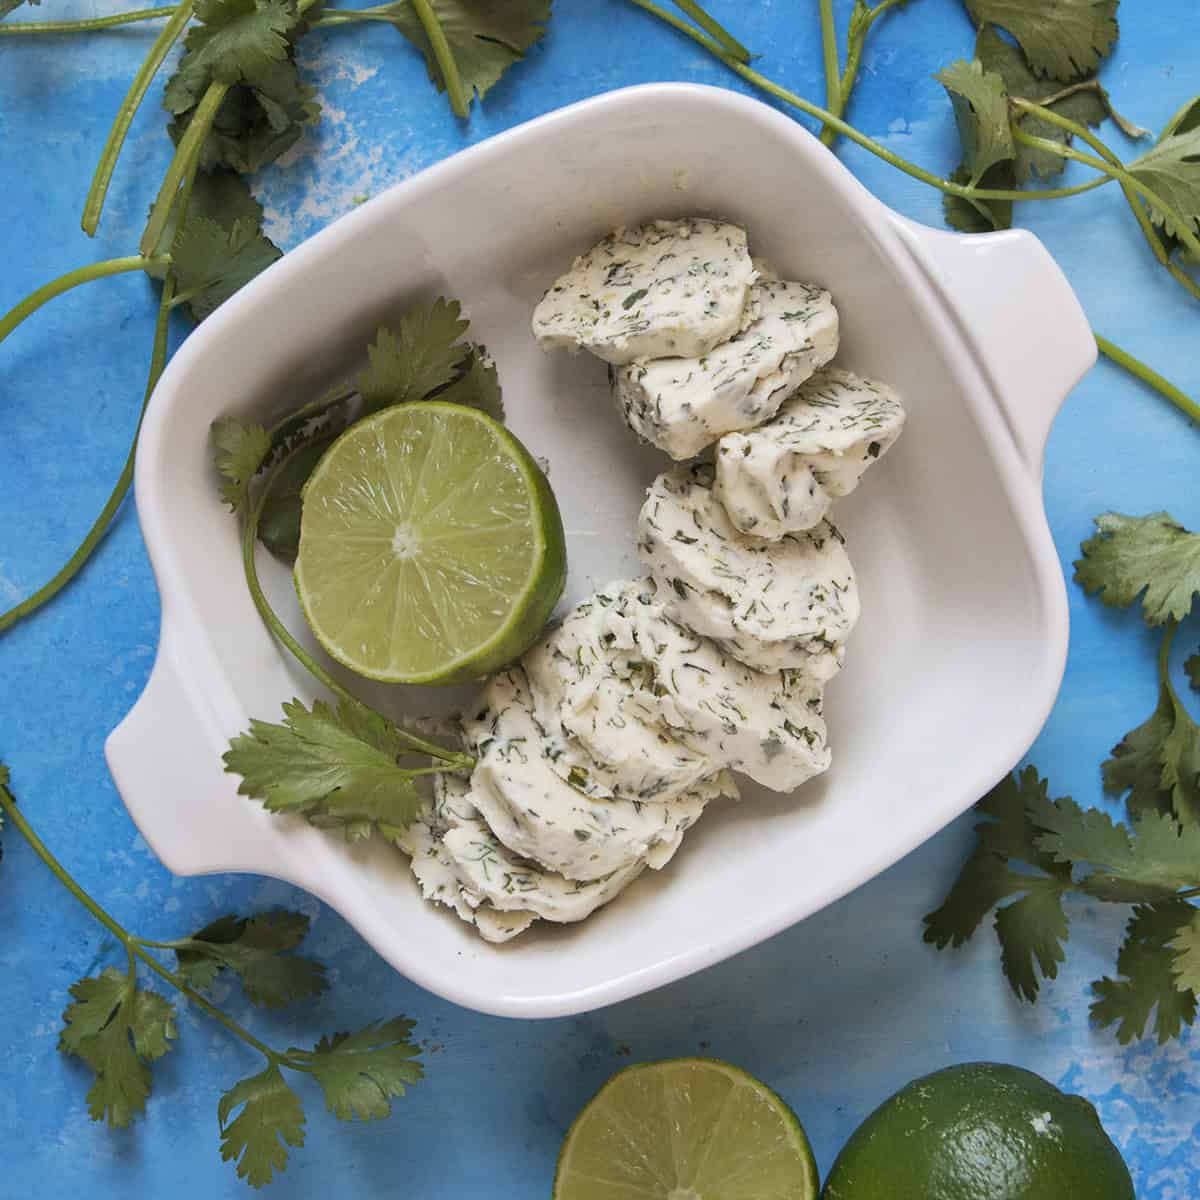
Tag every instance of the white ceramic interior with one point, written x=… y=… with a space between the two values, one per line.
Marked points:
x=959 y=579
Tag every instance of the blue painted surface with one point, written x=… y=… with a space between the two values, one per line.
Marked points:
x=836 y=1012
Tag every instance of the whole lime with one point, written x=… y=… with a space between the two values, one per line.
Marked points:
x=980 y=1131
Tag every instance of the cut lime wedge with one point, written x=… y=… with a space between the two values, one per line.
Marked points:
x=686 y=1129
x=431 y=547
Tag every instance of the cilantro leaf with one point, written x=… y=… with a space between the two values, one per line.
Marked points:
x=1011 y=832
x=256 y=950
x=220 y=196
x=271 y=1119
x=97 y=1000
x=1164 y=852
x=1158 y=763
x=256 y=122
x=337 y=768
x=477 y=385
x=1180 y=756
x=1146 y=863
x=420 y=354
x=117 y=1030
x=981 y=216
x=279 y=524
x=485 y=37
x=1147 y=963
x=239 y=451
x=1192 y=667
x=983 y=882
x=1032 y=931
x=224 y=197
x=361 y=1073
x=1085 y=107
x=1186 y=945
x=981 y=114
x=1153 y=557
x=234 y=41
x=211 y=261
x=1071 y=834
x=1136 y=764
x=1185 y=120
x=7 y=6
x=1172 y=170
x=1063 y=39
x=1149 y=862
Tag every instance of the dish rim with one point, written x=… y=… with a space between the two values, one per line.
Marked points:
x=1019 y=481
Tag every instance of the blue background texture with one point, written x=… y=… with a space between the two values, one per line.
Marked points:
x=835 y=1013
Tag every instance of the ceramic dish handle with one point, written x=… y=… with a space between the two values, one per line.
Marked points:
x=165 y=758
x=1016 y=309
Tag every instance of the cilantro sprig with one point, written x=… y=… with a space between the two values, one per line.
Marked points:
x=120 y=1029
x=1031 y=852
x=343 y=766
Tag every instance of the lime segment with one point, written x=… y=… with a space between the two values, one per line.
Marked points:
x=431 y=547
x=686 y=1129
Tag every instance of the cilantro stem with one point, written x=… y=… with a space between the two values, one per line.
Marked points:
x=862 y=19
x=338 y=394
x=134 y=946
x=351 y=16
x=1164 y=658
x=1115 y=170
x=19 y=28
x=133 y=98
x=187 y=150
x=1132 y=198
x=1173 y=124
x=8 y=802
x=840 y=126
x=234 y=1027
x=158 y=361
x=174 y=944
x=1149 y=233
x=47 y=592
x=732 y=46
x=1149 y=376
x=280 y=631
x=834 y=94
x=444 y=56
x=73 y=279
x=1123 y=123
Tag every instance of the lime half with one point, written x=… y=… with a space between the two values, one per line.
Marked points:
x=431 y=548
x=686 y=1129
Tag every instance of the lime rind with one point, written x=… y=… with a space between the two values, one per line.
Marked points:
x=374 y=591
x=980 y=1131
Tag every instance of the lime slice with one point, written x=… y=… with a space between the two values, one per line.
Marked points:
x=431 y=548
x=686 y=1129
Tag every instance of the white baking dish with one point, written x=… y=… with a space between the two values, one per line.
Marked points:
x=960 y=651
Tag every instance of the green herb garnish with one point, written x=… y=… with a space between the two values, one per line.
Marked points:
x=1039 y=850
